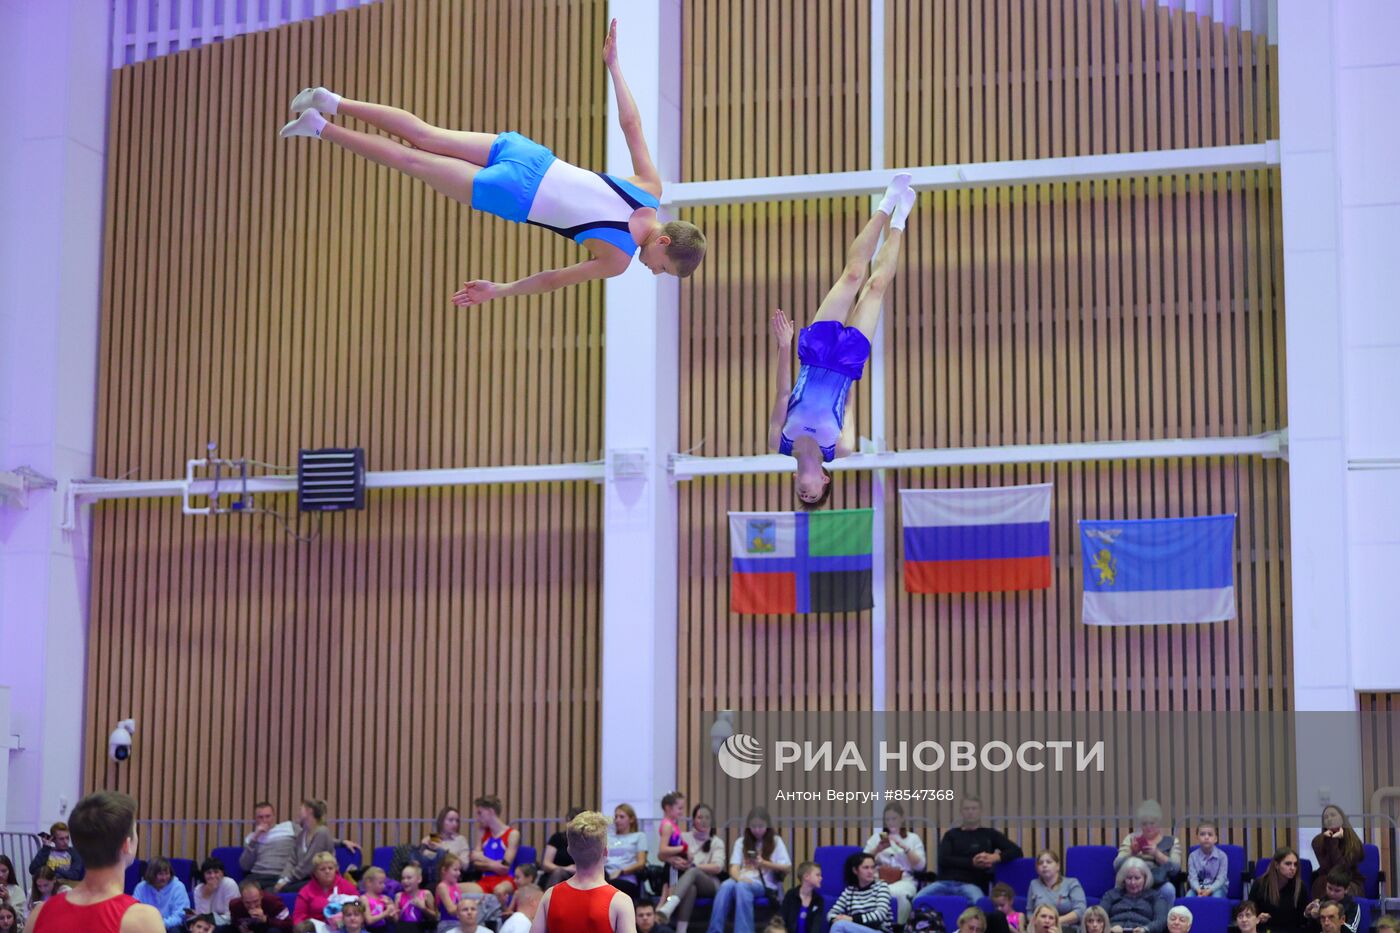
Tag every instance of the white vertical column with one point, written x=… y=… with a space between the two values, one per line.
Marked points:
x=639 y=706
x=53 y=90
x=1316 y=402
x=880 y=478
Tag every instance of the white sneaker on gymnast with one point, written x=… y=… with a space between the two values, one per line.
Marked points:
x=316 y=98
x=897 y=186
x=666 y=909
x=310 y=123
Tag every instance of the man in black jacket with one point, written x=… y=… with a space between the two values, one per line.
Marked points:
x=967 y=855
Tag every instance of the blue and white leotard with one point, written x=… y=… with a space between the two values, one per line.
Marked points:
x=525 y=182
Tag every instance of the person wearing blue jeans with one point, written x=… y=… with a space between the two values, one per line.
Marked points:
x=757 y=864
x=952 y=889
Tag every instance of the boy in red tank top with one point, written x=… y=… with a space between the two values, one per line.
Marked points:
x=104 y=833
x=586 y=903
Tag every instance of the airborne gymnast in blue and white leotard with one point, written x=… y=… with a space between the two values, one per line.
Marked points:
x=516 y=178
x=808 y=421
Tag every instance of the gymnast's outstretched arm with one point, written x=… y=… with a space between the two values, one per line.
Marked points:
x=643 y=169
x=782 y=333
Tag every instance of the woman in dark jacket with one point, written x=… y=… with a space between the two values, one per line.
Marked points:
x=803 y=909
x=1337 y=846
x=1280 y=896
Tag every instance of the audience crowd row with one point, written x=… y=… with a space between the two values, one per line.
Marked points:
x=449 y=882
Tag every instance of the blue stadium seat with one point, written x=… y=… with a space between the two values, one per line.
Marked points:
x=1238 y=863
x=346 y=859
x=1092 y=867
x=1370 y=869
x=230 y=855
x=832 y=860
x=1208 y=914
x=950 y=906
x=290 y=899
x=134 y=871
x=183 y=869
x=382 y=857
x=1019 y=873
x=524 y=855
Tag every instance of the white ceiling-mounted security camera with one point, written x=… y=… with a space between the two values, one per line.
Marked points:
x=119 y=743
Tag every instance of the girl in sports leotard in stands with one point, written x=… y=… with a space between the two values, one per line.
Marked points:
x=518 y=179
x=586 y=903
x=104 y=833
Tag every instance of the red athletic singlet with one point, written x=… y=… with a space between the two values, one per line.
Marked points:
x=575 y=911
x=59 y=916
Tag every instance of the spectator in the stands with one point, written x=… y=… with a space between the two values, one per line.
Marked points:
x=1336 y=888
x=446 y=838
x=1386 y=923
x=9 y=918
x=967 y=855
x=1095 y=920
x=647 y=921
x=353 y=918
x=467 y=917
x=325 y=882
x=10 y=891
x=269 y=850
x=1279 y=894
x=1245 y=917
x=672 y=849
x=215 y=892
x=899 y=854
x=159 y=888
x=312 y=839
x=863 y=905
x=803 y=907
x=379 y=907
x=972 y=920
x=1045 y=919
x=199 y=923
x=705 y=854
x=416 y=905
x=57 y=853
x=44 y=885
x=1133 y=904
x=558 y=865
x=757 y=865
x=1337 y=847
x=494 y=852
x=527 y=904
x=627 y=852
x=1208 y=868
x=1004 y=899
x=1179 y=920
x=1159 y=849
x=257 y=910
x=1066 y=895
x=448 y=891
x=1330 y=918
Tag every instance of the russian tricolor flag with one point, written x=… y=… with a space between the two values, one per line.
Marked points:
x=976 y=540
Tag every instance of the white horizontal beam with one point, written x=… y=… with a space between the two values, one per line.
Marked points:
x=1273 y=444
x=81 y=491
x=975 y=175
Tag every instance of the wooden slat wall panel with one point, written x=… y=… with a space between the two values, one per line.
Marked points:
x=1380 y=767
x=774 y=87
x=1017 y=79
x=1038 y=314
x=273 y=295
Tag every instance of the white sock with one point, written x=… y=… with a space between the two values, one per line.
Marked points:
x=310 y=123
x=316 y=98
x=898 y=185
x=901 y=211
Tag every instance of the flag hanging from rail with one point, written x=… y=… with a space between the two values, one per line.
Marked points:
x=976 y=540
x=789 y=562
x=1159 y=571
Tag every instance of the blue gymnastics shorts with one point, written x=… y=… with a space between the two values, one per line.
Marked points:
x=514 y=168
x=834 y=346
